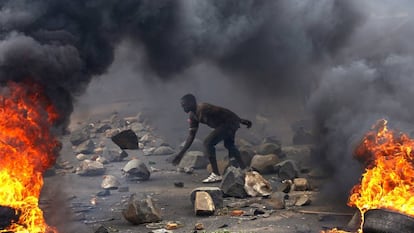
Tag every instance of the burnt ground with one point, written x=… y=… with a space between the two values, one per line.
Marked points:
x=66 y=200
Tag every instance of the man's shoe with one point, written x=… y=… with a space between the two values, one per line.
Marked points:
x=212 y=178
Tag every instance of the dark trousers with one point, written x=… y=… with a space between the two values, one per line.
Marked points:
x=225 y=134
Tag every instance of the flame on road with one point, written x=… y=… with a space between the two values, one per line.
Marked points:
x=27 y=149
x=388 y=180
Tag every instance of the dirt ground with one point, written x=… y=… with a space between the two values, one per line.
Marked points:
x=67 y=197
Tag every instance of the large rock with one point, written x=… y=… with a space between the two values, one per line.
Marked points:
x=79 y=136
x=110 y=182
x=269 y=148
x=276 y=200
x=126 y=139
x=90 y=168
x=264 y=163
x=215 y=192
x=255 y=185
x=233 y=183
x=139 y=211
x=135 y=169
x=203 y=204
x=287 y=170
x=86 y=147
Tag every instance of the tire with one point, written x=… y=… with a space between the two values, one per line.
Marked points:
x=386 y=221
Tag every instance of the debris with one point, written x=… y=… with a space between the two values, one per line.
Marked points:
x=126 y=139
x=203 y=204
x=255 y=185
x=110 y=182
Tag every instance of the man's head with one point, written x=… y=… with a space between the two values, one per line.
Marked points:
x=189 y=103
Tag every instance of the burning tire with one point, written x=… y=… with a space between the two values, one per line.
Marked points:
x=385 y=221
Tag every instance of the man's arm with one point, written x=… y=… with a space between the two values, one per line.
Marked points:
x=190 y=138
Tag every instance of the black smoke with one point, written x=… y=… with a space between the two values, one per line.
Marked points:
x=64 y=44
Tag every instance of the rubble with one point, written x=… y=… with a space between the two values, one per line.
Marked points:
x=139 y=211
x=264 y=163
x=215 y=193
x=126 y=139
x=203 y=204
x=255 y=185
x=90 y=168
x=233 y=183
x=135 y=169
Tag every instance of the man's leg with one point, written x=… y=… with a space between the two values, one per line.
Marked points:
x=209 y=146
x=234 y=153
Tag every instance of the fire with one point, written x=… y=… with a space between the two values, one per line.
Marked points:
x=388 y=180
x=27 y=149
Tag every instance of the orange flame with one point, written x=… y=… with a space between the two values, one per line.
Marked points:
x=388 y=180
x=27 y=149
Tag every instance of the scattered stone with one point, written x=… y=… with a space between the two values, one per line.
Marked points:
x=255 y=185
x=135 y=169
x=215 y=193
x=163 y=150
x=126 y=139
x=81 y=157
x=114 y=154
x=303 y=200
x=287 y=170
x=276 y=200
x=139 y=211
x=85 y=147
x=269 y=148
x=198 y=226
x=264 y=163
x=179 y=184
x=203 y=204
x=300 y=184
x=194 y=159
x=90 y=168
x=110 y=182
x=247 y=155
x=79 y=136
x=233 y=183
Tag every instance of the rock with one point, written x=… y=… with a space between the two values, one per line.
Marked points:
x=79 y=136
x=85 y=147
x=300 y=184
x=264 y=163
x=233 y=183
x=90 y=168
x=269 y=148
x=255 y=185
x=141 y=211
x=247 y=155
x=276 y=200
x=203 y=204
x=81 y=157
x=215 y=193
x=303 y=200
x=163 y=150
x=110 y=182
x=287 y=170
x=114 y=154
x=126 y=139
x=194 y=159
x=135 y=169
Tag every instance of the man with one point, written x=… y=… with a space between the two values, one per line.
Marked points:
x=225 y=124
